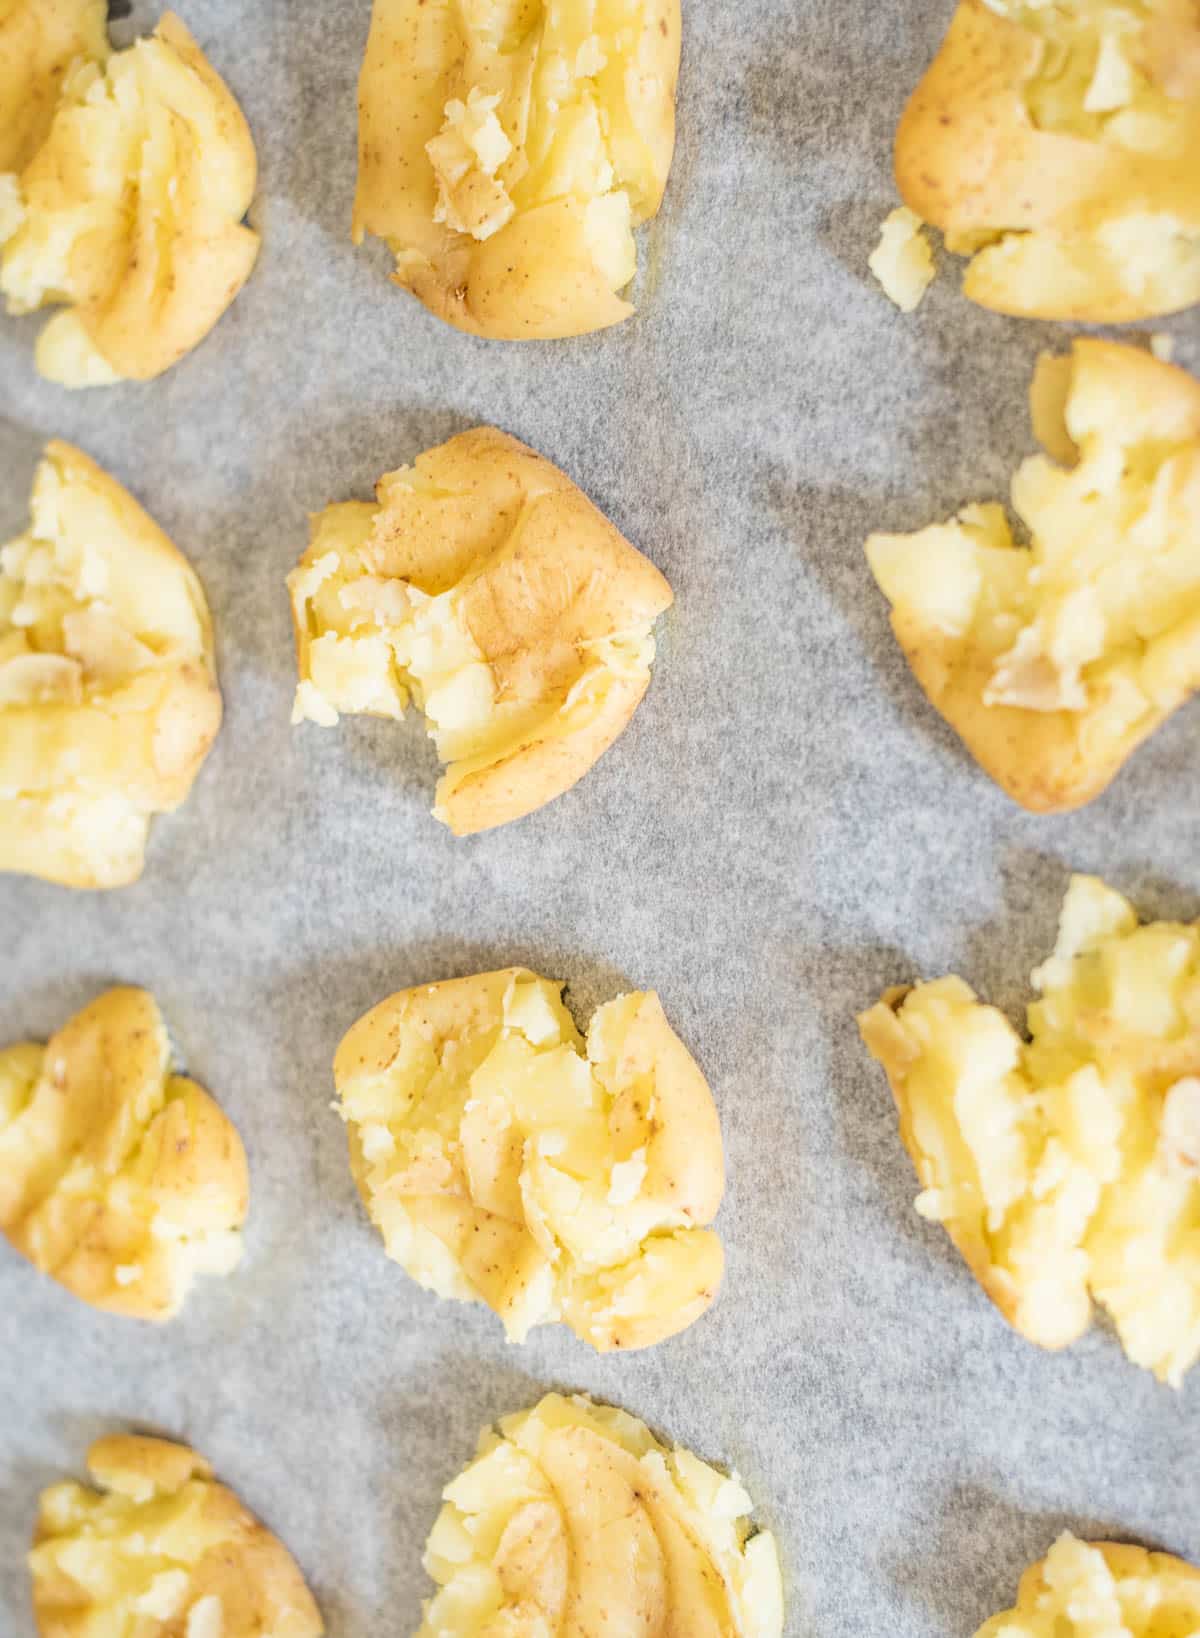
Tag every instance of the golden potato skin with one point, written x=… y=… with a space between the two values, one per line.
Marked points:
x=1038 y=203
x=39 y=40
x=149 y=282
x=1057 y=760
x=536 y=582
x=226 y=1573
x=166 y=1172
x=1055 y=1590
x=80 y=777
x=536 y=277
x=617 y=1245
x=573 y=1519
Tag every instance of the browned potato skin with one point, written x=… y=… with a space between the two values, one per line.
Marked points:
x=39 y=40
x=969 y=160
x=686 y=1151
x=205 y=273
x=250 y=1570
x=1123 y=1560
x=527 y=611
x=1049 y=761
x=529 y=281
x=106 y=1061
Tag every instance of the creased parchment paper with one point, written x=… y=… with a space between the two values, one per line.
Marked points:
x=785 y=829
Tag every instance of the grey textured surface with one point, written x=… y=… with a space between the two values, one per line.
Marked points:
x=785 y=829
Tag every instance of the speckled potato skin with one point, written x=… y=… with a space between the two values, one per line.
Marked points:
x=533 y=280
x=257 y=1582
x=969 y=160
x=686 y=1153
x=39 y=40
x=101 y=1093
x=572 y=578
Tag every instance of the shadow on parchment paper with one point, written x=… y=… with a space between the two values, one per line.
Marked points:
x=978 y=1550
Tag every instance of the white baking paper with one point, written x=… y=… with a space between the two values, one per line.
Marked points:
x=785 y=829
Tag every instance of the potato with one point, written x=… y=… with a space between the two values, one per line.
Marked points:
x=39 y=42
x=488 y=586
x=1066 y=1169
x=130 y=213
x=573 y=1518
x=508 y=148
x=1085 y=1588
x=903 y=261
x=1054 y=662
x=161 y=1550
x=1059 y=148
x=505 y=1162
x=108 y=691
x=120 y=1179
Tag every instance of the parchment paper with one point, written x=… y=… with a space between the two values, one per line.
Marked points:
x=785 y=829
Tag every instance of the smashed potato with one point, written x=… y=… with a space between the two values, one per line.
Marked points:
x=160 y=1550
x=505 y=1161
x=130 y=213
x=573 y=1519
x=1057 y=143
x=1083 y=1588
x=507 y=150
x=1066 y=1169
x=484 y=583
x=1054 y=662
x=119 y=1179
x=108 y=692
x=39 y=42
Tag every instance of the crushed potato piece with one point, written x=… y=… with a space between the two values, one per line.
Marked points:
x=1057 y=146
x=130 y=213
x=1054 y=662
x=574 y=1519
x=108 y=691
x=119 y=1179
x=903 y=260
x=1083 y=1590
x=1066 y=1169
x=485 y=584
x=504 y=1161
x=160 y=1550
x=40 y=40
x=532 y=139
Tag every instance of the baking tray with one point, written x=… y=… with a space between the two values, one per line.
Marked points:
x=785 y=829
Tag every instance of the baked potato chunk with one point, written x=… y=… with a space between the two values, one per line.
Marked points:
x=1081 y=1588
x=120 y=1179
x=1066 y=1168
x=39 y=41
x=130 y=213
x=1054 y=661
x=507 y=149
x=573 y=1518
x=1059 y=147
x=160 y=1550
x=487 y=586
x=506 y=1161
x=108 y=692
